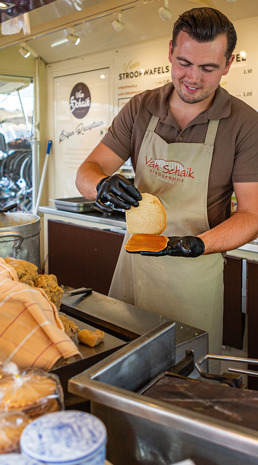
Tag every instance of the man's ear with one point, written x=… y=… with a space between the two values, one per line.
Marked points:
x=229 y=63
x=170 y=51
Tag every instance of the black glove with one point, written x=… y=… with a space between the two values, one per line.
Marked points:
x=187 y=246
x=118 y=192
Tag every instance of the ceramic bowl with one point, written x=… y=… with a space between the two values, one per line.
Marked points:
x=64 y=438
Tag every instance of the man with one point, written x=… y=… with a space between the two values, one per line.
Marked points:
x=192 y=144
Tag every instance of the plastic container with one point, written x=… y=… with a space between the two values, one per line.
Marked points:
x=33 y=391
x=65 y=438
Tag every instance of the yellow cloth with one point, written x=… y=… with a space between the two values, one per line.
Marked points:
x=31 y=332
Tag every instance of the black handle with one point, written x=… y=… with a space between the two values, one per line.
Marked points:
x=81 y=290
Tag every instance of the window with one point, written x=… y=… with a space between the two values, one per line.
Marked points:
x=16 y=135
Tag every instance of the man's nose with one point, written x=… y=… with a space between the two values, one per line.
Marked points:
x=193 y=74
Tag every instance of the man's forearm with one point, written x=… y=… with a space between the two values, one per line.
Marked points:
x=92 y=173
x=240 y=228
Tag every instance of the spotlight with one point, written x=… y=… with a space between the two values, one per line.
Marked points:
x=117 y=24
x=73 y=38
x=164 y=12
x=24 y=52
x=6 y=5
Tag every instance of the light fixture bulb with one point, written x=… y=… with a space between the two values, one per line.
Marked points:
x=117 y=24
x=73 y=38
x=24 y=52
x=164 y=12
x=6 y=5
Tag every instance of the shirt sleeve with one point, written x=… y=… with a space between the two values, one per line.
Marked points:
x=118 y=137
x=246 y=157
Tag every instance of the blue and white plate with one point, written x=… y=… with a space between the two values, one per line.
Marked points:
x=65 y=437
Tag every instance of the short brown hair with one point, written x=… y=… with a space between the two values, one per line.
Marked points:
x=204 y=25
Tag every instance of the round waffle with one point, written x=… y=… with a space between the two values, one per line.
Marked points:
x=148 y=218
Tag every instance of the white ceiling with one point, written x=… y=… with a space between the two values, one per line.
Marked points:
x=142 y=23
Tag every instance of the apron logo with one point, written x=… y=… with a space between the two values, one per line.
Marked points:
x=162 y=167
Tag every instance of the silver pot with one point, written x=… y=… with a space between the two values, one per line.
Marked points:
x=20 y=237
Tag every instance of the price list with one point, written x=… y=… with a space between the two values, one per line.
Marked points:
x=242 y=79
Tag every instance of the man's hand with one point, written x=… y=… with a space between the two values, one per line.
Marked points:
x=187 y=246
x=116 y=192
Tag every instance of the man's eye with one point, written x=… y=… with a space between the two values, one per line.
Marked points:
x=207 y=70
x=183 y=63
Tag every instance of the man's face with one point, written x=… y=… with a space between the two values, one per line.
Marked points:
x=197 y=67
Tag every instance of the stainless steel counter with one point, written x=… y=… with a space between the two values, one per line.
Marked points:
x=94 y=218
x=130 y=322
x=154 y=431
x=116 y=222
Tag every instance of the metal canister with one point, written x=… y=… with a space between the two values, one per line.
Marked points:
x=20 y=236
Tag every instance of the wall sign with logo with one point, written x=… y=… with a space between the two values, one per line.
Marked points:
x=80 y=100
x=81 y=103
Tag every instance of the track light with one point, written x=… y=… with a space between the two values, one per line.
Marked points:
x=164 y=12
x=24 y=52
x=6 y=5
x=72 y=37
x=117 y=23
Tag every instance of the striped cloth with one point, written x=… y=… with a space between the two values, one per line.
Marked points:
x=31 y=333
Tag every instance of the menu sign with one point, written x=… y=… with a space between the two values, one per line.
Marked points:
x=241 y=81
x=140 y=67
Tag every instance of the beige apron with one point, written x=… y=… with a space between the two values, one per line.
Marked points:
x=188 y=290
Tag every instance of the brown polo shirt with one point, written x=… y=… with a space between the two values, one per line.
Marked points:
x=235 y=156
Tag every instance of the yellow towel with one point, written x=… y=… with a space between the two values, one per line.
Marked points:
x=31 y=332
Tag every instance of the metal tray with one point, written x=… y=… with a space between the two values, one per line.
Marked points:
x=74 y=204
x=91 y=355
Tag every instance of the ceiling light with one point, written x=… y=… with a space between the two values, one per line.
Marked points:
x=72 y=37
x=24 y=52
x=6 y=5
x=117 y=23
x=59 y=42
x=164 y=12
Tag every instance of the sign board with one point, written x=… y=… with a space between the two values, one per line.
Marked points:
x=81 y=109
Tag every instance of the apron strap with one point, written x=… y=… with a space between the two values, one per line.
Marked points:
x=211 y=132
x=153 y=123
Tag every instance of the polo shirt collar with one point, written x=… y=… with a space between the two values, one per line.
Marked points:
x=221 y=106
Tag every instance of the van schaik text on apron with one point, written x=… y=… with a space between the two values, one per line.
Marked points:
x=187 y=290
x=169 y=171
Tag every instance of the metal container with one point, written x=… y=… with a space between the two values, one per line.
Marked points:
x=74 y=204
x=20 y=236
x=156 y=431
